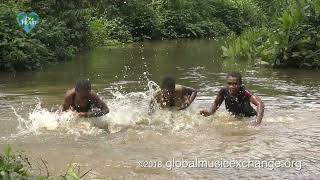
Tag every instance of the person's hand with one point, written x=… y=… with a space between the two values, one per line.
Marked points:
x=205 y=113
x=254 y=124
x=184 y=105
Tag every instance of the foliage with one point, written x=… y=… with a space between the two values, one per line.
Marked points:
x=253 y=43
x=106 y=32
x=56 y=38
x=139 y=17
x=67 y=27
x=15 y=165
x=239 y=14
x=19 y=51
x=184 y=18
x=293 y=42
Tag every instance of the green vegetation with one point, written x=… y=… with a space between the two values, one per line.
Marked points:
x=57 y=37
x=290 y=39
x=67 y=27
x=15 y=165
x=281 y=32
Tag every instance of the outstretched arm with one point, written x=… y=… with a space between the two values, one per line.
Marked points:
x=215 y=106
x=260 y=108
x=191 y=95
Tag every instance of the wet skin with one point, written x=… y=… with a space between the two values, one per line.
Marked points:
x=233 y=86
x=80 y=101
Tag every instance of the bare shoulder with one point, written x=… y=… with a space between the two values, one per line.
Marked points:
x=180 y=88
x=70 y=93
x=222 y=90
x=68 y=98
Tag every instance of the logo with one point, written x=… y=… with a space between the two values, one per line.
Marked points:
x=27 y=21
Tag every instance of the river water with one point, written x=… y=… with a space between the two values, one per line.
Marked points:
x=143 y=146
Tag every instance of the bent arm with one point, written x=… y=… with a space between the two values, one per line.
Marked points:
x=99 y=104
x=260 y=108
x=191 y=94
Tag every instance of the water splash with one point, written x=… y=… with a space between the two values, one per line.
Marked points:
x=130 y=110
x=41 y=118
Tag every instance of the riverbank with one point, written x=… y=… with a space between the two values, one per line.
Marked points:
x=65 y=28
x=279 y=33
x=291 y=38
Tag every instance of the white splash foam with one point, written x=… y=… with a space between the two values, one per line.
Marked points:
x=41 y=118
x=129 y=110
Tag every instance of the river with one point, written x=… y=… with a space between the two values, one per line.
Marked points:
x=123 y=76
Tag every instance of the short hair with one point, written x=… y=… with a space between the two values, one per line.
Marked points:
x=83 y=84
x=236 y=75
x=168 y=83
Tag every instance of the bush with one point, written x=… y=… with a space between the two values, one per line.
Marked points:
x=106 y=32
x=139 y=17
x=238 y=15
x=18 y=50
x=294 y=42
x=254 y=43
x=67 y=27
x=13 y=166
x=186 y=23
x=299 y=35
x=51 y=41
x=185 y=18
x=71 y=13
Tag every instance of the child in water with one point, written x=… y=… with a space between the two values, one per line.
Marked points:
x=82 y=100
x=237 y=100
x=171 y=94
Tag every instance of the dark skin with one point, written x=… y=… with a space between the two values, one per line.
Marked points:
x=188 y=96
x=233 y=86
x=81 y=100
x=169 y=95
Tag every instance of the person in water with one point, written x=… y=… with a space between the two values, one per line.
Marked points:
x=237 y=100
x=171 y=94
x=83 y=101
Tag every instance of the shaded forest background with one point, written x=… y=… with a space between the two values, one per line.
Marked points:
x=283 y=33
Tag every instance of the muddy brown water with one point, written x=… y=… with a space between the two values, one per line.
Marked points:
x=290 y=130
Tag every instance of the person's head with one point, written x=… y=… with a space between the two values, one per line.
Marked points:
x=168 y=86
x=234 y=82
x=83 y=88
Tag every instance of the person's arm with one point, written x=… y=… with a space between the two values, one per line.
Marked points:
x=215 y=106
x=191 y=94
x=152 y=105
x=260 y=108
x=155 y=99
x=97 y=103
x=67 y=101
